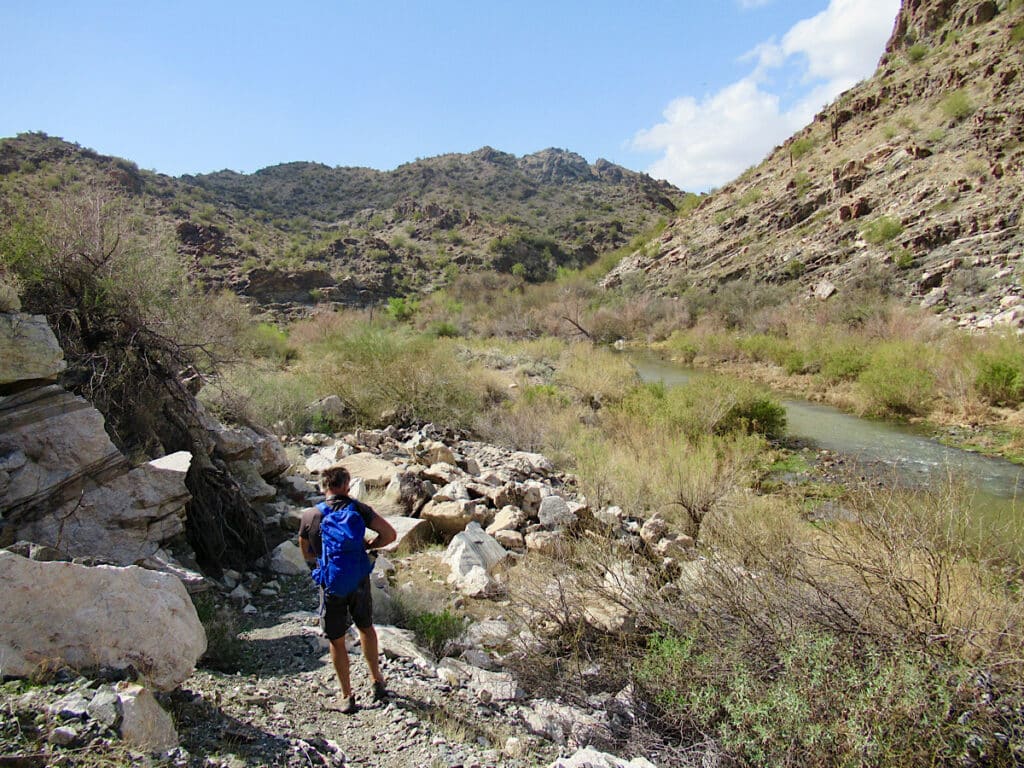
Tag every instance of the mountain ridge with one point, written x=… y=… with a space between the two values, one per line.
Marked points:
x=297 y=234
x=910 y=180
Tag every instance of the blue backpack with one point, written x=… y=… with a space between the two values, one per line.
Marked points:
x=343 y=562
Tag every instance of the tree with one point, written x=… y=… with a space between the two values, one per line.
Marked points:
x=136 y=335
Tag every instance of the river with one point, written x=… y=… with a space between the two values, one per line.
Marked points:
x=911 y=454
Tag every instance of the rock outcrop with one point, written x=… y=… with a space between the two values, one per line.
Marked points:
x=63 y=483
x=58 y=613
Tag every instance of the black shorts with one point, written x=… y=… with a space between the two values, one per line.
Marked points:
x=337 y=614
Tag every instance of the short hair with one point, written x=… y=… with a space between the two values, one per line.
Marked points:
x=334 y=477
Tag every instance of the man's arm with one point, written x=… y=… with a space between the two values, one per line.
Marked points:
x=385 y=532
x=306 y=549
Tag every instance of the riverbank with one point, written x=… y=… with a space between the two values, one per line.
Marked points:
x=988 y=430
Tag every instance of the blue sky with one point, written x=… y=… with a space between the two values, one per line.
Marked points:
x=686 y=90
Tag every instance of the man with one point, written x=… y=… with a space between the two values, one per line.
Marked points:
x=339 y=612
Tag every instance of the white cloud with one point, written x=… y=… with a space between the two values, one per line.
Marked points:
x=707 y=143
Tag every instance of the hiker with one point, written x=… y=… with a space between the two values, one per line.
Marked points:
x=331 y=535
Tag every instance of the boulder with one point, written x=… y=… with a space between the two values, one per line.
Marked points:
x=269 y=455
x=406 y=493
x=298 y=488
x=397 y=643
x=97 y=617
x=29 y=350
x=435 y=452
x=373 y=471
x=508 y=518
x=250 y=482
x=472 y=556
x=554 y=513
x=513 y=540
x=442 y=473
x=143 y=723
x=449 y=517
x=496 y=686
x=52 y=444
x=591 y=758
x=562 y=724
x=413 y=533
x=287 y=560
x=531 y=464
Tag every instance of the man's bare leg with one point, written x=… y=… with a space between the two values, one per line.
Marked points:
x=339 y=655
x=368 y=641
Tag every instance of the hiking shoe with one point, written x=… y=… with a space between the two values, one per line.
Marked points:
x=380 y=692
x=347 y=705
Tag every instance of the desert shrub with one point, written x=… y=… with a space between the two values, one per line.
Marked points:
x=443 y=329
x=437 y=630
x=764 y=347
x=765 y=703
x=882 y=230
x=842 y=361
x=595 y=375
x=225 y=650
x=916 y=52
x=1000 y=372
x=957 y=105
x=897 y=380
x=540 y=420
x=382 y=374
x=268 y=341
x=801 y=147
x=401 y=309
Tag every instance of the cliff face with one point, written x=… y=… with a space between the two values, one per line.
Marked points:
x=912 y=178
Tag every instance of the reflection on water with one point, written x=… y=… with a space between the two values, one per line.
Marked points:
x=910 y=454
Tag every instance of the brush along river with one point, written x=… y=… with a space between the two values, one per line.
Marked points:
x=996 y=485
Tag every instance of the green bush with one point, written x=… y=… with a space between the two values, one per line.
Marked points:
x=897 y=381
x=437 y=631
x=842 y=361
x=916 y=52
x=1000 y=379
x=763 y=347
x=270 y=342
x=882 y=230
x=957 y=105
x=401 y=309
x=779 y=704
x=1017 y=33
x=801 y=147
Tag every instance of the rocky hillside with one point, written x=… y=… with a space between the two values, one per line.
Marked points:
x=911 y=180
x=296 y=234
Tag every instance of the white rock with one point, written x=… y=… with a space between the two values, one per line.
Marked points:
x=501 y=686
x=554 y=513
x=591 y=758
x=102 y=616
x=374 y=471
x=357 y=489
x=29 y=349
x=143 y=723
x=470 y=551
x=412 y=534
x=180 y=461
x=287 y=560
x=397 y=643
x=509 y=518
x=545 y=542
